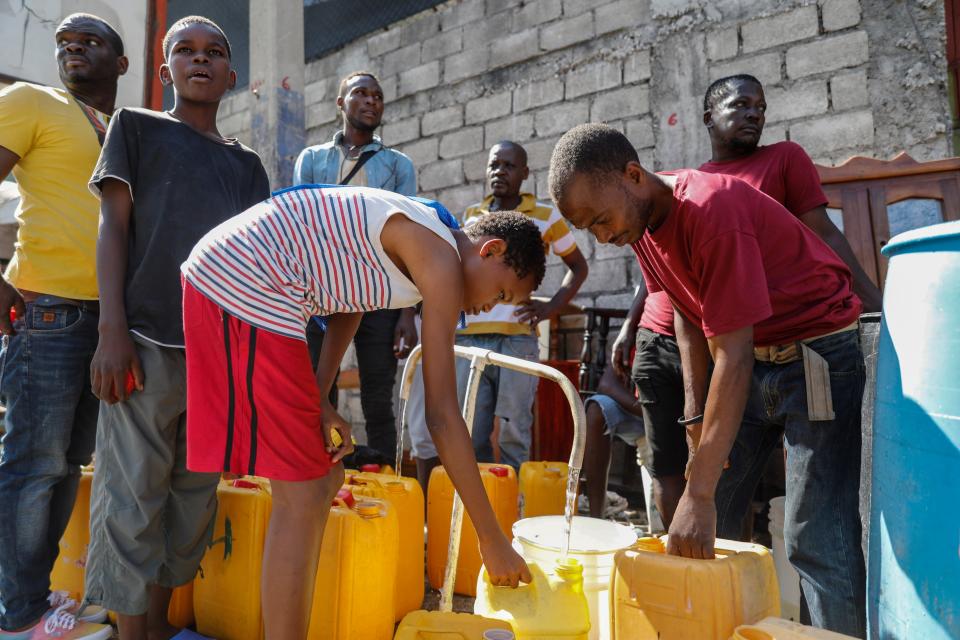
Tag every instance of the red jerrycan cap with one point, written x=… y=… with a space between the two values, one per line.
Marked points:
x=500 y=472
x=245 y=484
x=346 y=496
x=370 y=468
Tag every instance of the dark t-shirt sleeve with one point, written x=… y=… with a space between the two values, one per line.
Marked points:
x=733 y=288
x=801 y=181
x=260 y=186
x=118 y=158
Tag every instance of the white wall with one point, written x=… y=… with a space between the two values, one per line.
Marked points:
x=27 y=39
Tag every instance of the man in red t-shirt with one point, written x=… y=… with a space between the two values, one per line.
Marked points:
x=773 y=307
x=734 y=111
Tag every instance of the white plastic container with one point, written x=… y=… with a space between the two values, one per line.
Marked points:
x=787 y=576
x=593 y=542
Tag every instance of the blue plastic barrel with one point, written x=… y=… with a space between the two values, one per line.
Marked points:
x=914 y=550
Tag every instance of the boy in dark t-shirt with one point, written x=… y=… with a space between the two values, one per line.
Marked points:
x=165 y=179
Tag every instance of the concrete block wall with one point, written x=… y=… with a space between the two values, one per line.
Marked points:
x=842 y=77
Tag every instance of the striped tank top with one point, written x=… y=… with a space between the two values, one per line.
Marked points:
x=307 y=251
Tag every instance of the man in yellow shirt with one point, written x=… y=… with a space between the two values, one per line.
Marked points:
x=506 y=328
x=50 y=139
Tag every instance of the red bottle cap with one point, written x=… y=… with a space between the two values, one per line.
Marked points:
x=346 y=496
x=500 y=472
x=131 y=383
x=245 y=484
x=370 y=468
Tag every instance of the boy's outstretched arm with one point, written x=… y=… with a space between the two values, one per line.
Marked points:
x=116 y=354
x=341 y=328
x=435 y=268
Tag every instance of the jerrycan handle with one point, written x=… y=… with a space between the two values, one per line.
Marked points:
x=344 y=498
x=539 y=577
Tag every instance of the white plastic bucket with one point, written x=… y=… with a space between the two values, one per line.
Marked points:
x=787 y=576
x=593 y=542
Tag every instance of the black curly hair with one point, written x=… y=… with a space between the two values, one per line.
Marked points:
x=721 y=88
x=593 y=149
x=186 y=22
x=525 y=251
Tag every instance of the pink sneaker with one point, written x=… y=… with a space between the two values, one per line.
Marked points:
x=90 y=613
x=60 y=624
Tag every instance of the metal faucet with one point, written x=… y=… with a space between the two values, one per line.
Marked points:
x=479 y=359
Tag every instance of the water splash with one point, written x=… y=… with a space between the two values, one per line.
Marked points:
x=573 y=481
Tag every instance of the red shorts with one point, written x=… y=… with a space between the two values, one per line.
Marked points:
x=253 y=405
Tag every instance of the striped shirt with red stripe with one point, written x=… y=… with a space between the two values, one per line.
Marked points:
x=307 y=251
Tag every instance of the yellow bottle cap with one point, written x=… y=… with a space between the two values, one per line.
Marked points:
x=651 y=544
x=368 y=509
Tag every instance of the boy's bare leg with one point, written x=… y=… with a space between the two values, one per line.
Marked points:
x=132 y=627
x=596 y=460
x=292 y=550
x=158 y=625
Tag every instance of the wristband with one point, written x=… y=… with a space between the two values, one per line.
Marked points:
x=688 y=421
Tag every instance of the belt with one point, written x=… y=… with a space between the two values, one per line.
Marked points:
x=790 y=352
x=46 y=299
x=816 y=370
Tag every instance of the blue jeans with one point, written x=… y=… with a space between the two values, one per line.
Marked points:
x=51 y=427
x=822 y=521
x=504 y=393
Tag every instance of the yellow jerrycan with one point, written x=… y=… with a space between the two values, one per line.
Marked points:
x=500 y=483
x=543 y=488
x=180 y=611
x=406 y=498
x=70 y=568
x=436 y=625
x=552 y=607
x=353 y=592
x=779 y=629
x=226 y=596
x=655 y=595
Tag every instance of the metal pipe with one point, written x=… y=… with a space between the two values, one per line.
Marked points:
x=480 y=358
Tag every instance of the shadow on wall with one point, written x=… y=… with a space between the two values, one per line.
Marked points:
x=914 y=567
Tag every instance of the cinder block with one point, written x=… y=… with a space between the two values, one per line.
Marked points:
x=779 y=29
x=536 y=12
x=827 y=54
x=488 y=30
x=465 y=12
x=849 y=90
x=840 y=14
x=561 y=117
x=765 y=67
x=488 y=107
x=722 y=43
x=801 y=100
x=401 y=60
x=514 y=48
x=621 y=103
x=625 y=14
x=461 y=142
x=567 y=32
x=537 y=94
x=496 y=6
x=576 y=7
x=640 y=132
x=401 y=130
x=424 y=25
x=441 y=120
x=593 y=78
x=457 y=199
x=845 y=131
x=465 y=64
x=446 y=173
x=774 y=133
x=316 y=116
x=539 y=151
x=442 y=45
x=425 y=76
x=518 y=128
x=380 y=43
x=422 y=151
x=636 y=67
x=475 y=167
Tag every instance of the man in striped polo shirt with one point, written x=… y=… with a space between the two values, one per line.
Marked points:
x=508 y=328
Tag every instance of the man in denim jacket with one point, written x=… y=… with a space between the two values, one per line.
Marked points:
x=357 y=156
